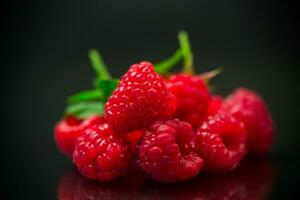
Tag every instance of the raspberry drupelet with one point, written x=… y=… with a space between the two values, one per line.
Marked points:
x=166 y=152
x=192 y=97
x=100 y=154
x=68 y=130
x=140 y=99
x=250 y=108
x=221 y=142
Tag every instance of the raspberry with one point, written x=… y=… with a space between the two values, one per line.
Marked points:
x=99 y=154
x=166 y=152
x=221 y=142
x=68 y=130
x=192 y=97
x=92 y=121
x=248 y=107
x=214 y=105
x=133 y=137
x=140 y=99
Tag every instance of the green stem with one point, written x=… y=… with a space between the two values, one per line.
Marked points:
x=164 y=66
x=207 y=76
x=187 y=52
x=98 y=64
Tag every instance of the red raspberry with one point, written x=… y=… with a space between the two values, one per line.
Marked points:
x=140 y=99
x=99 y=154
x=68 y=130
x=192 y=97
x=133 y=137
x=166 y=152
x=221 y=142
x=248 y=107
x=214 y=105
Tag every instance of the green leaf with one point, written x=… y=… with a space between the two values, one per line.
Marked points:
x=83 y=110
x=186 y=51
x=164 y=66
x=107 y=87
x=94 y=94
x=98 y=64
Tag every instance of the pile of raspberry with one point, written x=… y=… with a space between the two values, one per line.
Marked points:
x=167 y=126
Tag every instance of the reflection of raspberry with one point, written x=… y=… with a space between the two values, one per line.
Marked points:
x=248 y=107
x=192 y=97
x=99 y=154
x=72 y=186
x=221 y=142
x=66 y=132
x=140 y=99
x=69 y=129
x=214 y=105
x=165 y=152
x=255 y=186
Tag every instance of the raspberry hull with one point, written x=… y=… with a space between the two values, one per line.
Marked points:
x=99 y=154
x=166 y=152
x=248 y=107
x=221 y=142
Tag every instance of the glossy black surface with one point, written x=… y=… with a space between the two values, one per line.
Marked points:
x=44 y=48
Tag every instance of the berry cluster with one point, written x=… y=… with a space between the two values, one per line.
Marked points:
x=169 y=127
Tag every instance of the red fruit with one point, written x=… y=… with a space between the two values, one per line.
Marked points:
x=214 y=105
x=68 y=130
x=92 y=121
x=99 y=154
x=166 y=152
x=192 y=97
x=140 y=99
x=221 y=142
x=133 y=137
x=248 y=107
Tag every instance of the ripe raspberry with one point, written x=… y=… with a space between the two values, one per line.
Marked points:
x=221 y=142
x=166 y=152
x=140 y=99
x=99 y=154
x=214 y=105
x=65 y=133
x=133 y=137
x=248 y=107
x=192 y=97
x=68 y=130
x=92 y=121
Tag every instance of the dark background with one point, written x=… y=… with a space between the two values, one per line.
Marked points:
x=44 y=59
